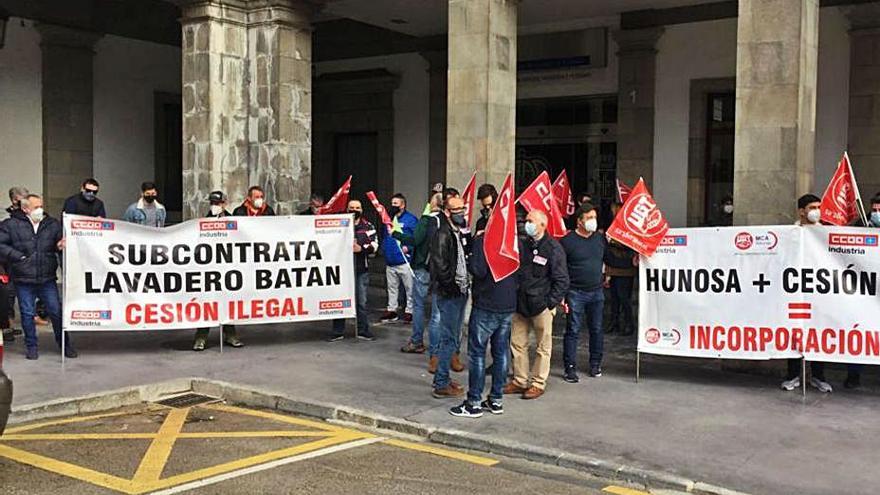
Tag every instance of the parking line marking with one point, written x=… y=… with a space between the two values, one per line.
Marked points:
x=452 y=454
x=269 y=465
x=66 y=469
x=149 y=436
x=275 y=417
x=77 y=419
x=619 y=490
x=157 y=455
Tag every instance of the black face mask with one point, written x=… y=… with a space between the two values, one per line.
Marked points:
x=89 y=195
x=357 y=214
x=393 y=211
x=459 y=219
x=149 y=199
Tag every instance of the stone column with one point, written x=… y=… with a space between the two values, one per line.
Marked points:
x=637 y=59
x=776 y=70
x=481 y=101
x=437 y=73
x=864 y=96
x=67 y=56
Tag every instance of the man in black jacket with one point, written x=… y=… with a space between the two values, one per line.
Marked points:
x=543 y=284
x=29 y=243
x=86 y=202
x=448 y=265
x=365 y=244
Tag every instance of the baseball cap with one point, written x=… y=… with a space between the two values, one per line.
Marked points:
x=217 y=197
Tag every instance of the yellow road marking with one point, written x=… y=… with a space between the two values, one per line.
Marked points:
x=79 y=419
x=66 y=469
x=156 y=457
x=452 y=454
x=619 y=490
x=149 y=436
x=275 y=417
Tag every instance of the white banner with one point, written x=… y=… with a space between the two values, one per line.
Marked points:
x=207 y=272
x=763 y=293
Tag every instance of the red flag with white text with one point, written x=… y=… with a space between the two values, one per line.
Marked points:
x=468 y=197
x=623 y=191
x=562 y=192
x=839 y=203
x=639 y=224
x=500 y=243
x=339 y=202
x=539 y=196
x=383 y=215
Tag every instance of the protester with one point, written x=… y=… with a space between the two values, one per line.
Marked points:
x=16 y=194
x=365 y=244
x=397 y=247
x=809 y=214
x=725 y=216
x=147 y=210
x=543 y=284
x=448 y=265
x=5 y=320
x=217 y=209
x=254 y=205
x=493 y=306
x=428 y=224
x=86 y=202
x=584 y=254
x=316 y=201
x=854 y=371
x=621 y=265
x=486 y=195
x=29 y=244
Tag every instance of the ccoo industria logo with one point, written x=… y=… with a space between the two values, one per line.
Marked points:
x=674 y=241
x=331 y=223
x=102 y=314
x=334 y=305
x=217 y=225
x=860 y=240
x=92 y=225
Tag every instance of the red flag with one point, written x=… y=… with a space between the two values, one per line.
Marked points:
x=468 y=197
x=539 y=196
x=623 y=191
x=839 y=203
x=339 y=202
x=383 y=215
x=500 y=244
x=562 y=192
x=639 y=223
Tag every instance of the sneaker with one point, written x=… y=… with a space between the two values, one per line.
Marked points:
x=853 y=380
x=233 y=341
x=17 y=331
x=571 y=375
x=465 y=410
x=411 y=348
x=449 y=391
x=492 y=406
x=335 y=338
x=388 y=317
x=199 y=344
x=407 y=318
x=791 y=384
x=31 y=353
x=70 y=353
x=367 y=337
x=595 y=371
x=821 y=385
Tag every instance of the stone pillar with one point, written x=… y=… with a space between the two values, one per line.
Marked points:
x=437 y=72
x=776 y=71
x=67 y=56
x=481 y=101
x=864 y=96
x=246 y=101
x=637 y=59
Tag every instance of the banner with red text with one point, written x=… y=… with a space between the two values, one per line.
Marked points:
x=207 y=272
x=763 y=293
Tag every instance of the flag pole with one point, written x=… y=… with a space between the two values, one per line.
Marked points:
x=859 y=204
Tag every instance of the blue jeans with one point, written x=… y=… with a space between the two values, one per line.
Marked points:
x=451 y=313
x=421 y=283
x=485 y=327
x=434 y=328
x=27 y=302
x=583 y=305
x=362 y=282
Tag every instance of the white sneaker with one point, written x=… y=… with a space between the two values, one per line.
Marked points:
x=822 y=386
x=792 y=384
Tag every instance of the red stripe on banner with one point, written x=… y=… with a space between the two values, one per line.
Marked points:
x=799 y=316
x=800 y=306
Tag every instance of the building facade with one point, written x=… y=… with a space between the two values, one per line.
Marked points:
x=752 y=99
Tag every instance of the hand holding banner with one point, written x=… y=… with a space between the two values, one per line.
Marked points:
x=339 y=202
x=639 y=224
x=383 y=215
x=841 y=201
x=539 y=196
x=500 y=244
x=562 y=192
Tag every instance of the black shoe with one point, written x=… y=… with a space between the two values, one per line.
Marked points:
x=595 y=371
x=492 y=406
x=571 y=375
x=335 y=338
x=852 y=381
x=8 y=336
x=31 y=353
x=70 y=352
x=367 y=336
x=466 y=410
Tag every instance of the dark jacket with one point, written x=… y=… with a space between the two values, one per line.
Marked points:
x=489 y=295
x=30 y=258
x=619 y=261
x=444 y=259
x=242 y=211
x=365 y=236
x=77 y=205
x=425 y=230
x=543 y=276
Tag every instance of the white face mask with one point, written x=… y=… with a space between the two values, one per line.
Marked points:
x=728 y=209
x=813 y=216
x=36 y=214
x=591 y=225
x=216 y=209
x=258 y=203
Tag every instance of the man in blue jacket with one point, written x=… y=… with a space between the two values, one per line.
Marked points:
x=29 y=244
x=397 y=247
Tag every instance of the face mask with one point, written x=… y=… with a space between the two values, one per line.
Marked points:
x=149 y=199
x=216 y=210
x=813 y=216
x=591 y=225
x=728 y=209
x=458 y=219
x=258 y=203
x=393 y=211
x=89 y=195
x=875 y=218
x=485 y=212
x=36 y=214
x=357 y=214
x=531 y=229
